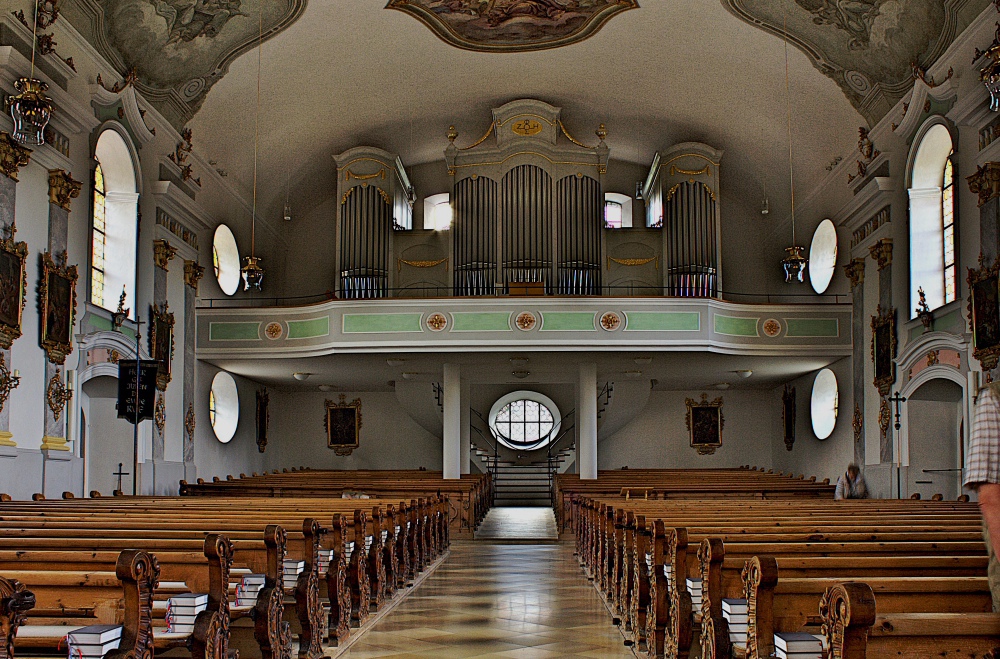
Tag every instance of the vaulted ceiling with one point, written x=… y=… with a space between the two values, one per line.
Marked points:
x=339 y=73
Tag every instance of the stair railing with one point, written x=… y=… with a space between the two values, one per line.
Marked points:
x=552 y=467
x=495 y=445
x=605 y=393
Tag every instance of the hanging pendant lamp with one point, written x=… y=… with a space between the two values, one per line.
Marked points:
x=29 y=108
x=795 y=263
x=252 y=271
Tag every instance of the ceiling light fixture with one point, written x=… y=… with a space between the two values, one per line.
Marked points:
x=520 y=375
x=520 y=363
x=642 y=361
x=253 y=273
x=325 y=387
x=29 y=108
x=795 y=263
x=633 y=375
x=300 y=376
x=395 y=362
x=744 y=373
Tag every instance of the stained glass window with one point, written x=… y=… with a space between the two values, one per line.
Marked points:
x=98 y=240
x=948 y=222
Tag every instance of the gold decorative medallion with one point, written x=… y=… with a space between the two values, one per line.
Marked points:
x=190 y=422
x=858 y=423
x=611 y=321
x=160 y=414
x=884 y=416
x=437 y=322
x=273 y=330
x=526 y=321
x=526 y=127
x=57 y=395
x=771 y=327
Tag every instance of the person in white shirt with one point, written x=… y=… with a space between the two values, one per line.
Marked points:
x=851 y=485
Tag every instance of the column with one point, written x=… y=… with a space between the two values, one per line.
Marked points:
x=881 y=252
x=986 y=184
x=466 y=461
x=192 y=275
x=452 y=421
x=57 y=470
x=586 y=407
x=856 y=275
x=13 y=156
x=163 y=253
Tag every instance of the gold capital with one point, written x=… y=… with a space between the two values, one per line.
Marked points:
x=193 y=274
x=855 y=271
x=63 y=188
x=882 y=253
x=163 y=252
x=985 y=182
x=13 y=156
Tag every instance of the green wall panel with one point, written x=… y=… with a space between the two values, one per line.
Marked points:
x=377 y=323
x=309 y=329
x=651 y=321
x=568 y=321
x=802 y=328
x=468 y=321
x=736 y=326
x=244 y=331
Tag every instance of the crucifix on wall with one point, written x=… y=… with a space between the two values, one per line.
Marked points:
x=119 y=474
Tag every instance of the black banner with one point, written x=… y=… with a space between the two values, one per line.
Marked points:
x=127 y=389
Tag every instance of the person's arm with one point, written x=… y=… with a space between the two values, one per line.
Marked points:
x=841 y=489
x=989 y=504
x=862 y=488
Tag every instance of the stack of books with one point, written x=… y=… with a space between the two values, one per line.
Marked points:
x=325 y=556
x=694 y=587
x=248 y=589
x=182 y=611
x=666 y=570
x=348 y=550
x=290 y=572
x=93 y=642
x=368 y=544
x=798 y=645
x=736 y=613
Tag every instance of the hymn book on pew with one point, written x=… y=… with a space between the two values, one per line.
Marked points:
x=797 y=645
x=93 y=642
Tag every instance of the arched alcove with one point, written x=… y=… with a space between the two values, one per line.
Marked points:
x=114 y=220
x=934 y=438
x=111 y=438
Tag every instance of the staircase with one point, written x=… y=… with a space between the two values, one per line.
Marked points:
x=524 y=484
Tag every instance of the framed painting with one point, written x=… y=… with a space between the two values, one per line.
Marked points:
x=263 y=418
x=57 y=303
x=343 y=425
x=13 y=284
x=884 y=348
x=788 y=416
x=704 y=423
x=161 y=343
x=984 y=314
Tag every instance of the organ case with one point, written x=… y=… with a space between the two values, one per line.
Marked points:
x=375 y=199
x=528 y=203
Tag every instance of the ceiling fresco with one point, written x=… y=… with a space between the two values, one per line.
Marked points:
x=178 y=49
x=513 y=25
x=868 y=47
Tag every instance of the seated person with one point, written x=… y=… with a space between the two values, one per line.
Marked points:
x=851 y=485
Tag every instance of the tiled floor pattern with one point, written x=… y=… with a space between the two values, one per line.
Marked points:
x=519 y=524
x=497 y=600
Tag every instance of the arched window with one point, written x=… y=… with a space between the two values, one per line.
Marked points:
x=932 y=219
x=525 y=420
x=99 y=241
x=115 y=224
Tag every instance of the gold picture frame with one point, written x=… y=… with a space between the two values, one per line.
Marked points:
x=57 y=306
x=161 y=343
x=984 y=313
x=13 y=285
x=343 y=425
x=705 y=422
x=883 y=348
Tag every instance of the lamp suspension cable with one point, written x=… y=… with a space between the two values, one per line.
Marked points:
x=256 y=134
x=34 y=38
x=788 y=106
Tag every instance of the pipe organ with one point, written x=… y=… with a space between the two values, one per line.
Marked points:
x=528 y=206
x=681 y=193
x=375 y=200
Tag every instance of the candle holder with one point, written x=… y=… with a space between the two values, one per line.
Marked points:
x=8 y=381
x=58 y=395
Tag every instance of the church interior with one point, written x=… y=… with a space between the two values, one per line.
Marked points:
x=563 y=323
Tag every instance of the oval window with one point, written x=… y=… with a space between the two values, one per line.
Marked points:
x=825 y=400
x=226 y=260
x=224 y=406
x=525 y=420
x=823 y=256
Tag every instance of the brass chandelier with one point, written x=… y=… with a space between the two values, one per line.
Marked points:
x=795 y=263
x=29 y=108
x=252 y=271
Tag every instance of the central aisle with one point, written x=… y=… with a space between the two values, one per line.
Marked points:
x=491 y=600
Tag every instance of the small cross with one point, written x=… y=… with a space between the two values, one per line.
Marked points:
x=896 y=400
x=119 y=474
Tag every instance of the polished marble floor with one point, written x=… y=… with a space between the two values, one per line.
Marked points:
x=498 y=600
x=525 y=525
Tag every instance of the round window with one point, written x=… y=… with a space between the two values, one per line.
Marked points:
x=823 y=256
x=226 y=260
x=525 y=420
x=825 y=399
x=224 y=406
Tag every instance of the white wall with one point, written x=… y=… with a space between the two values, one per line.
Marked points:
x=390 y=439
x=810 y=456
x=212 y=457
x=659 y=439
